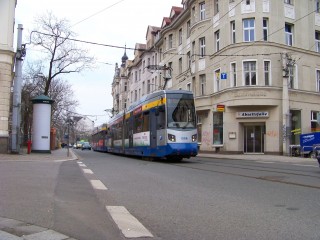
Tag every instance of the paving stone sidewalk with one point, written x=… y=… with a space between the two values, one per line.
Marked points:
x=55 y=155
x=11 y=229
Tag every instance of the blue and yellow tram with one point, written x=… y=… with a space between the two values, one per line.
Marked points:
x=99 y=140
x=161 y=124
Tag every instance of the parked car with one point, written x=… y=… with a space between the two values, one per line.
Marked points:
x=79 y=145
x=86 y=145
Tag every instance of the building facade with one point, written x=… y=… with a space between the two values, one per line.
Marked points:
x=7 y=13
x=253 y=66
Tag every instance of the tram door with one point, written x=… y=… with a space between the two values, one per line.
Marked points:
x=130 y=131
x=254 y=139
x=153 y=129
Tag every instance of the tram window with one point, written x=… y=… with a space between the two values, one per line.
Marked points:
x=161 y=118
x=145 y=126
x=126 y=129
x=137 y=123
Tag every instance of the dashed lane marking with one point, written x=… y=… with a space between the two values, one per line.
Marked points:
x=128 y=224
x=88 y=171
x=82 y=165
x=97 y=184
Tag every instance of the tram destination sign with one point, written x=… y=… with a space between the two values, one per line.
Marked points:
x=252 y=114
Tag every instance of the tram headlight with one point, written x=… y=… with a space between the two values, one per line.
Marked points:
x=171 y=137
x=194 y=138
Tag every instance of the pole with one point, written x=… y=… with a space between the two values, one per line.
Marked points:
x=68 y=122
x=285 y=106
x=16 y=108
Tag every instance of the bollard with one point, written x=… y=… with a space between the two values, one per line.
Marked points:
x=29 y=146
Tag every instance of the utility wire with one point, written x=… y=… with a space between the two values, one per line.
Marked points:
x=97 y=13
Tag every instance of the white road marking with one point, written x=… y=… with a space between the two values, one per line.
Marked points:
x=82 y=165
x=86 y=170
x=79 y=162
x=97 y=184
x=128 y=224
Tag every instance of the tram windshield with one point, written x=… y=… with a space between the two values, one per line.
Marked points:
x=181 y=111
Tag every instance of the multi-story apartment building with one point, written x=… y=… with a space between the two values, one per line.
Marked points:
x=255 y=74
x=7 y=13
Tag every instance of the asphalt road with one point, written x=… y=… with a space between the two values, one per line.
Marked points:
x=199 y=198
x=213 y=199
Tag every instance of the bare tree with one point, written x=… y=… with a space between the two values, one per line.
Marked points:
x=60 y=91
x=62 y=56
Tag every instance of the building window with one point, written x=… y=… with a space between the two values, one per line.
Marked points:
x=233 y=74
x=188 y=86
x=180 y=65
x=125 y=86
x=248 y=30
x=202 y=84
x=193 y=14
x=139 y=74
x=317 y=6
x=288 y=2
x=249 y=69
x=143 y=65
x=289 y=34
x=291 y=76
x=202 y=9
x=216 y=7
x=266 y=73
x=193 y=51
x=317 y=41
x=202 y=44
x=180 y=36
x=265 y=29
x=217 y=80
x=189 y=60
x=170 y=41
x=315 y=121
x=233 y=31
x=136 y=76
x=217 y=128
x=217 y=39
x=318 y=81
x=148 y=87
x=135 y=95
x=143 y=88
x=188 y=29
x=247 y=2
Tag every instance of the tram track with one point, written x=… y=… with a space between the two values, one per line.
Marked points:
x=277 y=175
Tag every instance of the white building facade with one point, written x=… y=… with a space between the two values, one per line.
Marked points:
x=7 y=13
x=253 y=66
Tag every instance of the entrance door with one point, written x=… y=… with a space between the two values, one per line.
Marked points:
x=153 y=129
x=254 y=139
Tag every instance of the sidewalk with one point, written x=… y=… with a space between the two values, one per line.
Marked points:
x=11 y=229
x=259 y=157
x=55 y=155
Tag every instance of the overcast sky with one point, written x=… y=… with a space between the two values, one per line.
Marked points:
x=112 y=22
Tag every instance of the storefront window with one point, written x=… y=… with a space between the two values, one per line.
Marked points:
x=217 y=128
x=295 y=126
x=315 y=121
